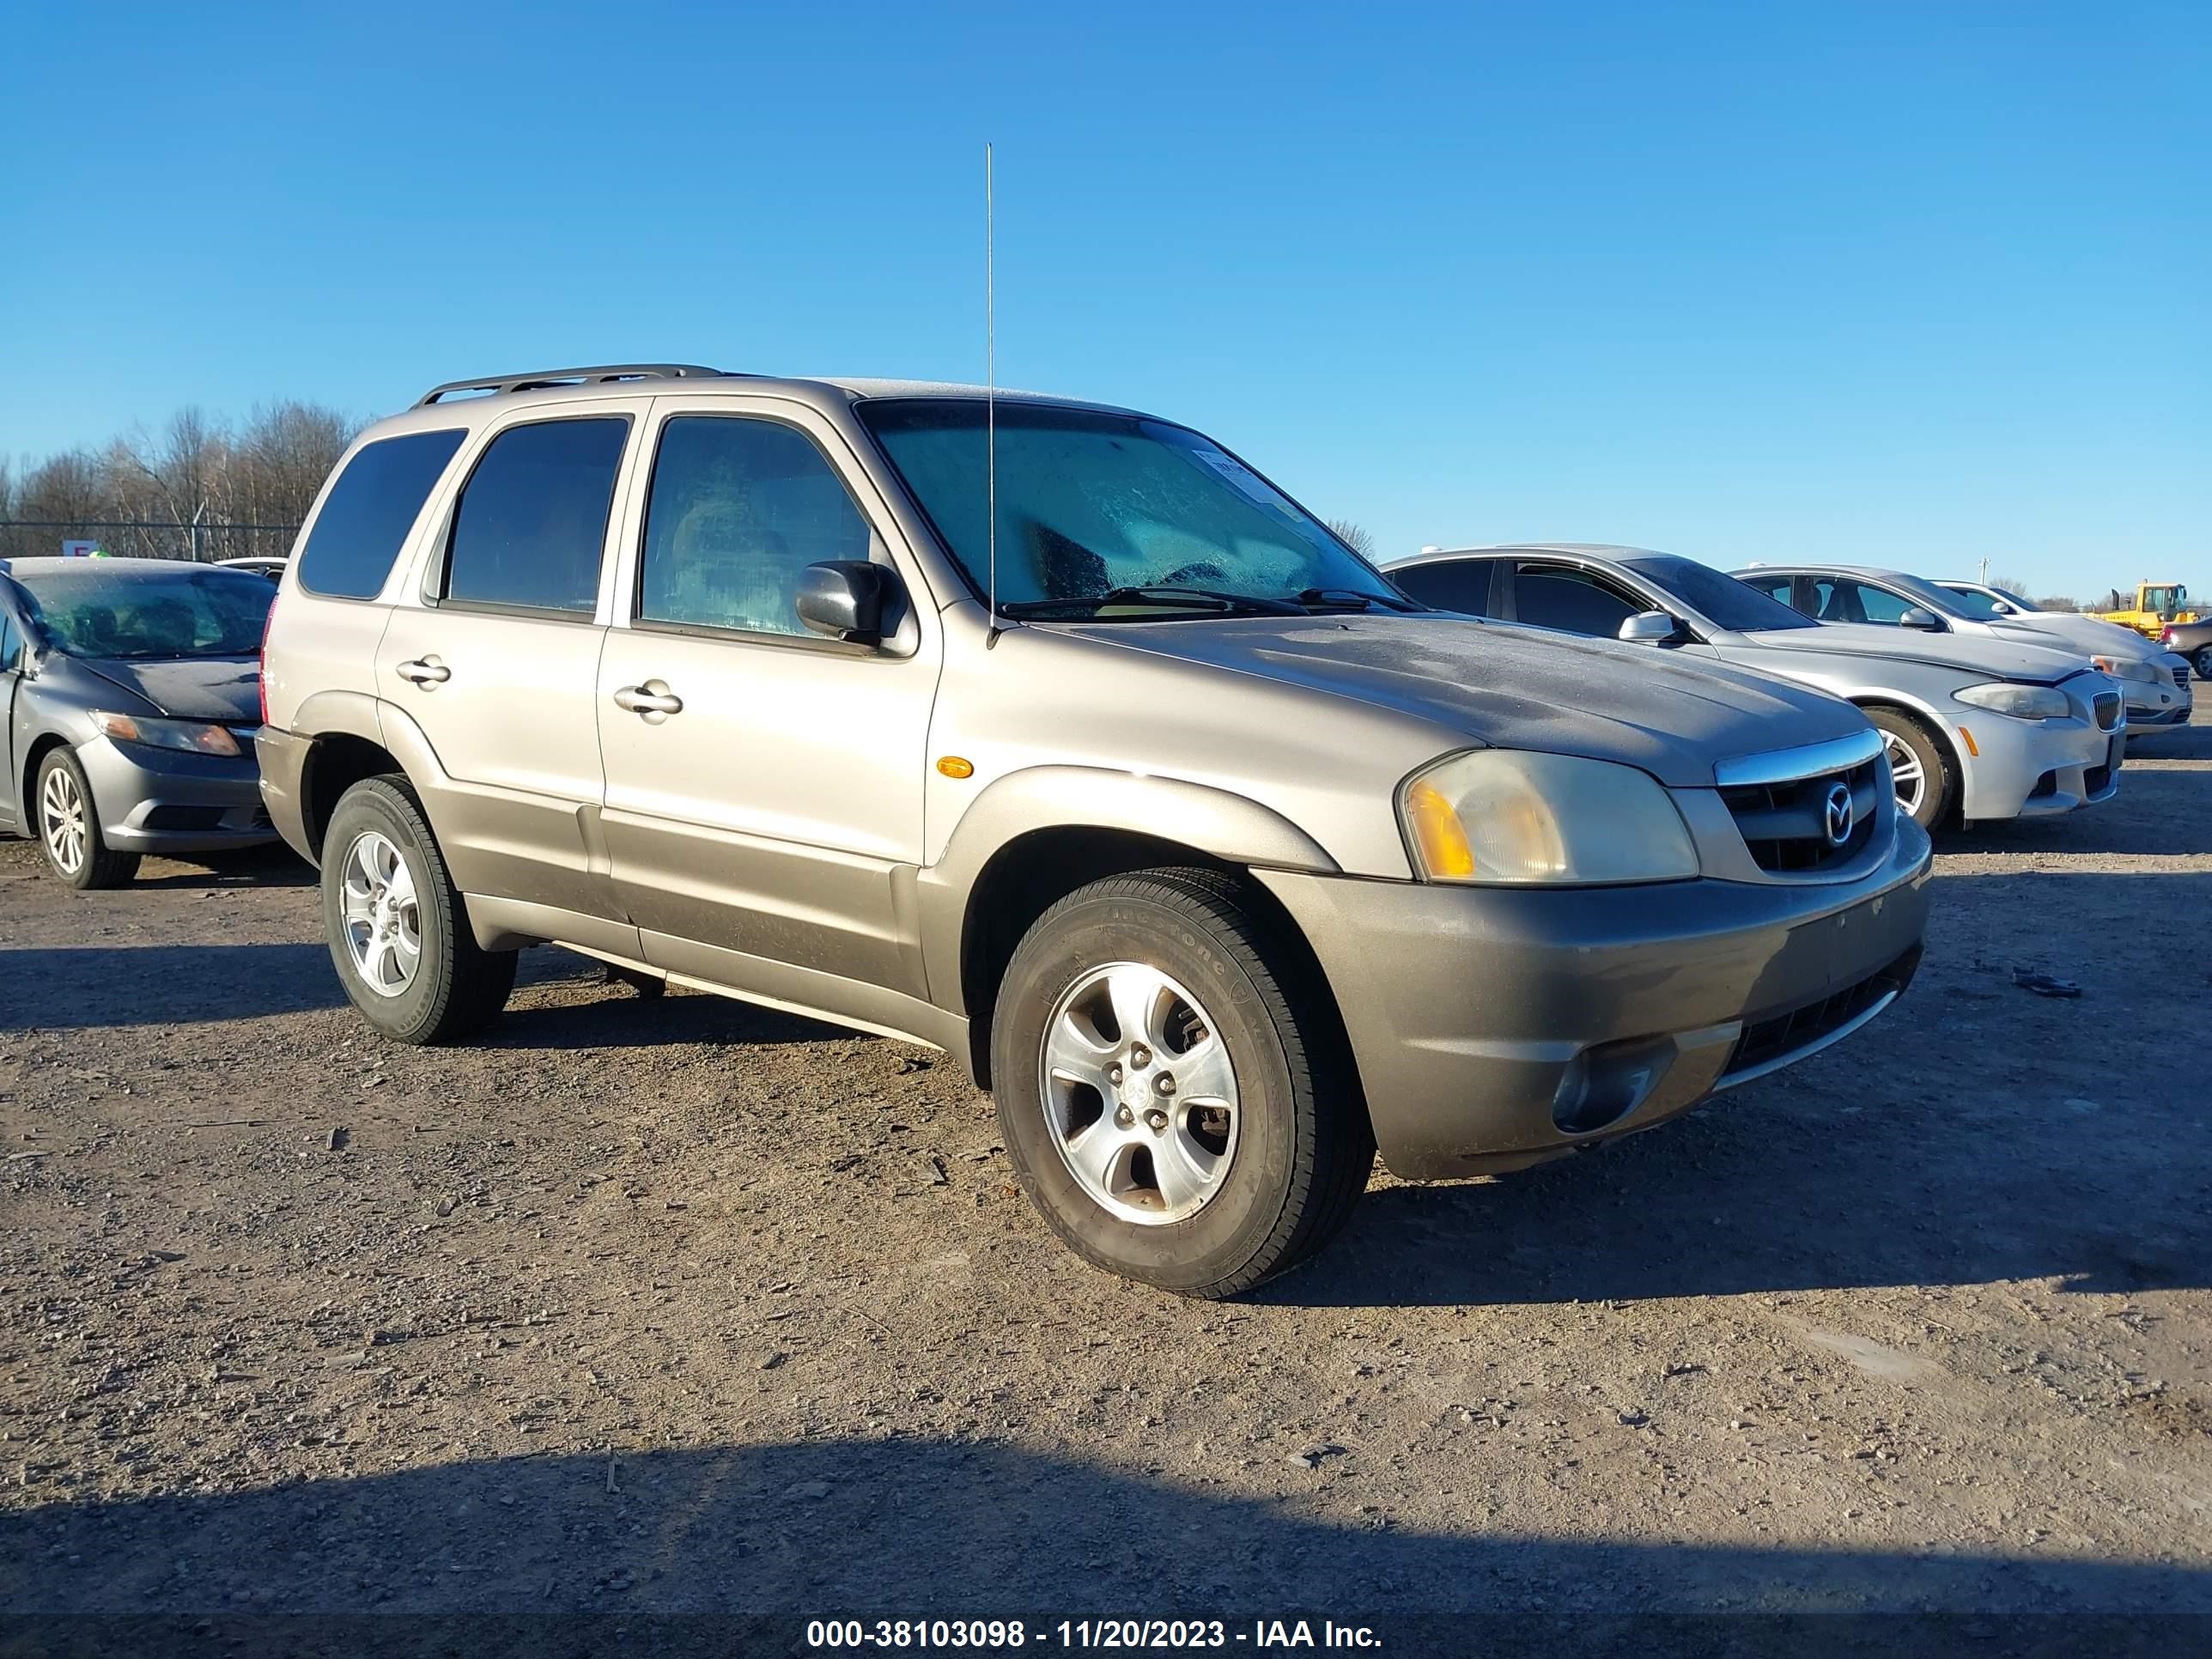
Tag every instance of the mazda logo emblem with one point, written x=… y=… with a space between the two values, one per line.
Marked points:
x=1839 y=814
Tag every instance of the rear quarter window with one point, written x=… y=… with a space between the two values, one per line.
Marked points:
x=369 y=511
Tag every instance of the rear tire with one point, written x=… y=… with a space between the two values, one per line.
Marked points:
x=67 y=823
x=2203 y=662
x=399 y=932
x=1217 y=1197
x=1927 y=784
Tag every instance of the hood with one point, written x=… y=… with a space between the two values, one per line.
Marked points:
x=2056 y=630
x=225 y=689
x=2040 y=663
x=1517 y=688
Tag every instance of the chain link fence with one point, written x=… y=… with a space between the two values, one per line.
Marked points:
x=202 y=544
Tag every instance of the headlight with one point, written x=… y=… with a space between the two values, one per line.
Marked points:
x=1504 y=815
x=2022 y=702
x=2125 y=668
x=190 y=736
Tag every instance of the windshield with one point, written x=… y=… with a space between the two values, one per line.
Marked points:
x=1720 y=599
x=107 y=610
x=1151 y=518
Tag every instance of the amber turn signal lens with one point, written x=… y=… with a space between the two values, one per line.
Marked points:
x=1443 y=846
x=953 y=767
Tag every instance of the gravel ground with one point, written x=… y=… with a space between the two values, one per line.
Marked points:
x=683 y=1306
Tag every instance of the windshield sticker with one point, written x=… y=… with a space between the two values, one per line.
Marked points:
x=1243 y=476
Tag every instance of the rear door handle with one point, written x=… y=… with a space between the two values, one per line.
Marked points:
x=423 y=671
x=644 y=700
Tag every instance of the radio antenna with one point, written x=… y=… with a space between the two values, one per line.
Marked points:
x=991 y=387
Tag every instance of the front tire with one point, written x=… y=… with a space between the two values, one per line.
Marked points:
x=1927 y=788
x=68 y=828
x=399 y=932
x=1176 y=1097
x=2203 y=662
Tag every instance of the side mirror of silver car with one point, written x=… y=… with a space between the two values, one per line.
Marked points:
x=1926 y=621
x=845 y=600
x=1650 y=628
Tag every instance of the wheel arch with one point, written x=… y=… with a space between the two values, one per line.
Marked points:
x=1926 y=719
x=1035 y=836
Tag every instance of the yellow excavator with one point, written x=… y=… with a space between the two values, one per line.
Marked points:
x=2156 y=604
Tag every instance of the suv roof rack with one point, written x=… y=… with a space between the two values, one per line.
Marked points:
x=596 y=373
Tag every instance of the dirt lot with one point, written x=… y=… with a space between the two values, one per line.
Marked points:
x=684 y=1306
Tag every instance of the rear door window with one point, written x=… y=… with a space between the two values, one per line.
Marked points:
x=1571 y=599
x=532 y=519
x=1840 y=599
x=1461 y=585
x=738 y=508
x=369 y=511
x=11 y=642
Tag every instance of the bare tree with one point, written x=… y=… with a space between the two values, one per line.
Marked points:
x=201 y=489
x=2056 y=602
x=1354 y=537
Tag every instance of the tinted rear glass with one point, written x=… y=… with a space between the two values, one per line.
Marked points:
x=533 y=518
x=370 y=510
x=1462 y=584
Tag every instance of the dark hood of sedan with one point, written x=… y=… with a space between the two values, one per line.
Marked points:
x=225 y=689
x=1523 y=687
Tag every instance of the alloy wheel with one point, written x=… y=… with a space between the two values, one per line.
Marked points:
x=1140 y=1094
x=383 y=920
x=1906 y=774
x=63 y=820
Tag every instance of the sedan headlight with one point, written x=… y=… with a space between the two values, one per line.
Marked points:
x=2022 y=702
x=2125 y=668
x=1509 y=816
x=194 y=736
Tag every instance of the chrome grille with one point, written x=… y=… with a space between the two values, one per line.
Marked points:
x=1785 y=825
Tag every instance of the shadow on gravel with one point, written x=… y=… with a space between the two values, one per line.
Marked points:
x=618 y=1017
x=1974 y=1133
x=83 y=986
x=276 y=866
x=906 y=1528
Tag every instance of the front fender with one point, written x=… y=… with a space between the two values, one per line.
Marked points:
x=1217 y=823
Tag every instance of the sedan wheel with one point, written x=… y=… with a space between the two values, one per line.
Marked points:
x=61 y=820
x=2205 y=663
x=1906 y=772
x=67 y=823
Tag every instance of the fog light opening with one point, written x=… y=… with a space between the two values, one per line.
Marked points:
x=1601 y=1087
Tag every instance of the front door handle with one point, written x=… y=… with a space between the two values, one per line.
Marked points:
x=424 y=671
x=646 y=701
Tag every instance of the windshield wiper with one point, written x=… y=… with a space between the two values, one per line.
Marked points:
x=1162 y=598
x=1349 y=598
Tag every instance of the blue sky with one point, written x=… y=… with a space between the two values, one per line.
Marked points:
x=1915 y=284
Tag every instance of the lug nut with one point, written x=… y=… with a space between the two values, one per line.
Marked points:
x=1164 y=1082
x=1114 y=1075
x=1140 y=1057
x=1157 y=1119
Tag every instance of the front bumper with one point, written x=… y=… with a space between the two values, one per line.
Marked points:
x=2034 y=769
x=163 y=801
x=1483 y=1019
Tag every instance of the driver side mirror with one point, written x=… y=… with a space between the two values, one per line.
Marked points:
x=1926 y=621
x=1651 y=627
x=845 y=599
x=2004 y=609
